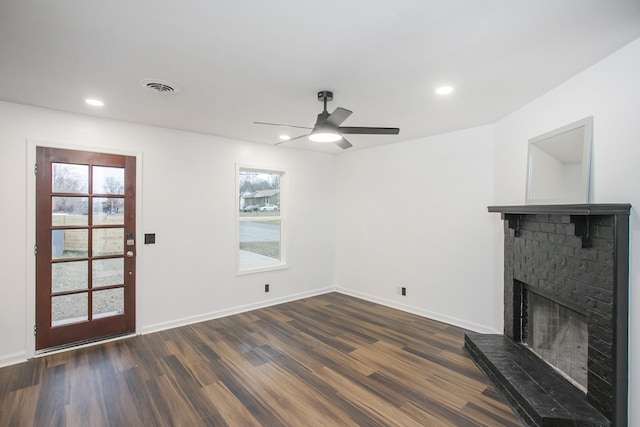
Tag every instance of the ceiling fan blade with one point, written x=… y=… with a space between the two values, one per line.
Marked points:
x=368 y=131
x=279 y=124
x=292 y=139
x=338 y=116
x=344 y=144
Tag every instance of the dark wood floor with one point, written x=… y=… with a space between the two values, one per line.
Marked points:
x=322 y=361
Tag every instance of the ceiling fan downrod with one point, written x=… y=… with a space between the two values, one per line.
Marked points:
x=325 y=96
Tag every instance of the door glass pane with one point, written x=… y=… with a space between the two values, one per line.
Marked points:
x=69 y=276
x=69 y=309
x=107 y=272
x=108 y=180
x=259 y=243
x=69 y=244
x=69 y=211
x=69 y=178
x=108 y=210
x=109 y=302
x=108 y=241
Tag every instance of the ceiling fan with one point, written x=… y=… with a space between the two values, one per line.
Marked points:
x=328 y=129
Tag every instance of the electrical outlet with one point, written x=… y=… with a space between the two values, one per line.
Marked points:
x=266 y=287
x=403 y=292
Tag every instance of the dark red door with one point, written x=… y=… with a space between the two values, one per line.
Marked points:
x=85 y=246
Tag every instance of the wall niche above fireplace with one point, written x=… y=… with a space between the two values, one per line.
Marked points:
x=577 y=257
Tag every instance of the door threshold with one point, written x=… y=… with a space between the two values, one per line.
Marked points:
x=82 y=344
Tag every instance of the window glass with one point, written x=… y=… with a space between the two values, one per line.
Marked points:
x=260 y=222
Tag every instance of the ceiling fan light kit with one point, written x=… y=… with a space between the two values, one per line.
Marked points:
x=327 y=127
x=325 y=137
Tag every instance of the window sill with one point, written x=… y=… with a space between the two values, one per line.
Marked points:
x=262 y=269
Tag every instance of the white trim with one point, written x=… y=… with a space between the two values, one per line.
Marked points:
x=13 y=359
x=421 y=312
x=30 y=231
x=231 y=311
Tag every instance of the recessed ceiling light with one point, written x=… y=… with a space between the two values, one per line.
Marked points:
x=284 y=137
x=94 y=102
x=444 y=90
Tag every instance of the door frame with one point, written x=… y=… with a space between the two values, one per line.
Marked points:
x=30 y=233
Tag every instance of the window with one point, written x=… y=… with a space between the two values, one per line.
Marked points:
x=261 y=226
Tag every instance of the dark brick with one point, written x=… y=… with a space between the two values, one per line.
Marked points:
x=531 y=226
x=604 y=220
x=556 y=261
x=573 y=241
x=603 y=334
x=605 y=257
x=577 y=264
x=568 y=229
x=548 y=227
x=537 y=218
x=602 y=371
x=541 y=273
x=602 y=282
x=604 y=295
x=585 y=277
x=604 y=232
x=524 y=235
x=600 y=268
x=557 y=239
x=598 y=345
x=560 y=219
x=599 y=319
x=587 y=253
x=562 y=250
x=602 y=244
x=540 y=236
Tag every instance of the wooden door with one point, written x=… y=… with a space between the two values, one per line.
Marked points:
x=85 y=246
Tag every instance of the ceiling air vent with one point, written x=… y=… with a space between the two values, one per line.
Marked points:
x=159 y=86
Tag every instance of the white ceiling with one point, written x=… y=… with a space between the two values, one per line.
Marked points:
x=239 y=61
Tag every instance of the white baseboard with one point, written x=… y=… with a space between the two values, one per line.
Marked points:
x=13 y=359
x=461 y=323
x=230 y=311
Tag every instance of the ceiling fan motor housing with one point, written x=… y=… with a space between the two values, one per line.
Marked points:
x=325 y=95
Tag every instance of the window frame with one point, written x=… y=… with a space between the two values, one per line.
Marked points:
x=282 y=217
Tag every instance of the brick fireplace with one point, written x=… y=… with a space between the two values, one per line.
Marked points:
x=576 y=256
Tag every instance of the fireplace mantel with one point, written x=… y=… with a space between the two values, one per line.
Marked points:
x=579 y=252
x=584 y=209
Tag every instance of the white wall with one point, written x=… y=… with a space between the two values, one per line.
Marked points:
x=610 y=92
x=187 y=197
x=415 y=214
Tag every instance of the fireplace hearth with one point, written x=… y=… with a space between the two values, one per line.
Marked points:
x=569 y=264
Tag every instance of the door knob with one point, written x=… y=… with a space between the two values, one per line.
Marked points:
x=130 y=254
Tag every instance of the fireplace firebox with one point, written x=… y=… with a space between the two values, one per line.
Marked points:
x=557 y=332
x=562 y=359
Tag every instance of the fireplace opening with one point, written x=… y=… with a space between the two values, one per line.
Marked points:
x=557 y=333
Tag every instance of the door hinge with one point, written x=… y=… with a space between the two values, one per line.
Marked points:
x=35 y=249
x=35 y=169
x=35 y=329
